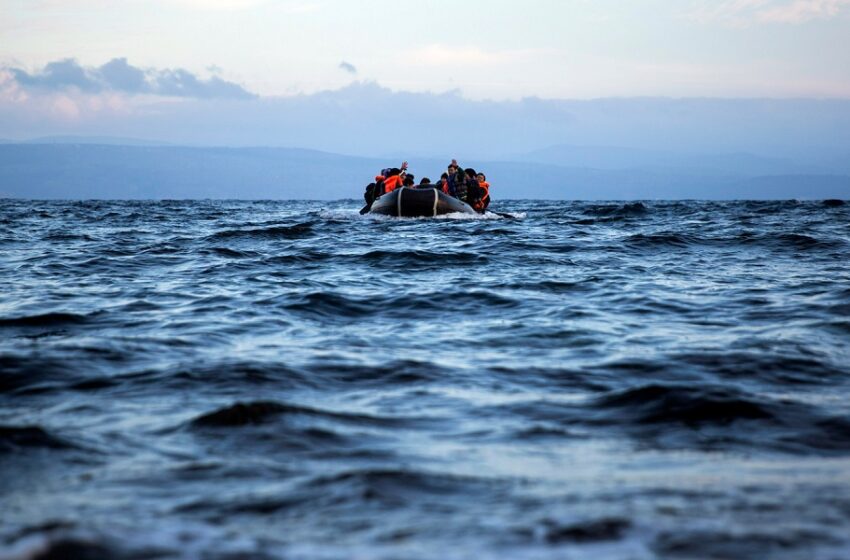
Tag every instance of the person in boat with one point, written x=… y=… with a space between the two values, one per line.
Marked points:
x=443 y=183
x=425 y=183
x=456 y=181
x=374 y=190
x=395 y=178
x=465 y=184
x=471 y=182
x=408 y=179
x=482 y=200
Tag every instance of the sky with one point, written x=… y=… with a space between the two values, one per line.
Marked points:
x=486 y=49
x=483 y=76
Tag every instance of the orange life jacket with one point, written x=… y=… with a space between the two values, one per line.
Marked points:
x=482 y=203
x=392 y=183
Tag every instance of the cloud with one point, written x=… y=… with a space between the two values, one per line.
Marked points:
x=348 y=67
x=182 y=83
x=800 y=11
x=9 y=89
x=123 y=77
x=744 y=13
x=65 y=108
x=58 y=75
x=118 y=75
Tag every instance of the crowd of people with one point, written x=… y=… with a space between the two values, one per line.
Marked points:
x=463 y=184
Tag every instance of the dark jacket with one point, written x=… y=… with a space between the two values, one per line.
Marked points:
x=459 y=185
x=474 y=190
x=369 y=194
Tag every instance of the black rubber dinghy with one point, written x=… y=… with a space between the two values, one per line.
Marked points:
x=416 y=203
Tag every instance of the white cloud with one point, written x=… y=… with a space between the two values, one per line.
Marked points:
x=120 y=76
x=744 y=13
x=65 y=108
x=9 y=88
x=804 y=10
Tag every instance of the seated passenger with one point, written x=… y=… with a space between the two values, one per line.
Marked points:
x=482 y=201
x=408 y=179
x=456 y=181
x=425 y=183
x=466 y=185
x=443 y=183
x=393 y=180
x=374 y=190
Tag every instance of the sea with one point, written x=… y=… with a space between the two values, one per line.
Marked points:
x=559 y=380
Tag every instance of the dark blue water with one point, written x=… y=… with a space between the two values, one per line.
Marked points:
x=292 y=380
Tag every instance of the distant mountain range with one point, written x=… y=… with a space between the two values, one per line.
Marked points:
x=100 y=140
x=614 y=157
x=68 y=167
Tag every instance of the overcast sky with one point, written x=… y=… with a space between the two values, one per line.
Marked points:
x=486 y=78
x=486 y=49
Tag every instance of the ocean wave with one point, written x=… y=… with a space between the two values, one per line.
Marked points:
x=295 y=231
x=661 y=240
x=759 y=367
x=395 y=487
x=260 y=412
x=335 y=305
x=394 y=373
x=616 y=210
x=406 y=257
x=657 y=413
x=592 y=379
x=42 y=320
x=15 y=438
x=692 y=407
x=785 y=542
x=793 y=241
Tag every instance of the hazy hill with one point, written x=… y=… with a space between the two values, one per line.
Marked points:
x=355 y=120
x=79 y=171
x=616 y=157
x=100 y=140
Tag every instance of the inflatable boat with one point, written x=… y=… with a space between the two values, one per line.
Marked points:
x=408 y=202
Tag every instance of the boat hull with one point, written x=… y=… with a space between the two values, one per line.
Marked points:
x=409 y=202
